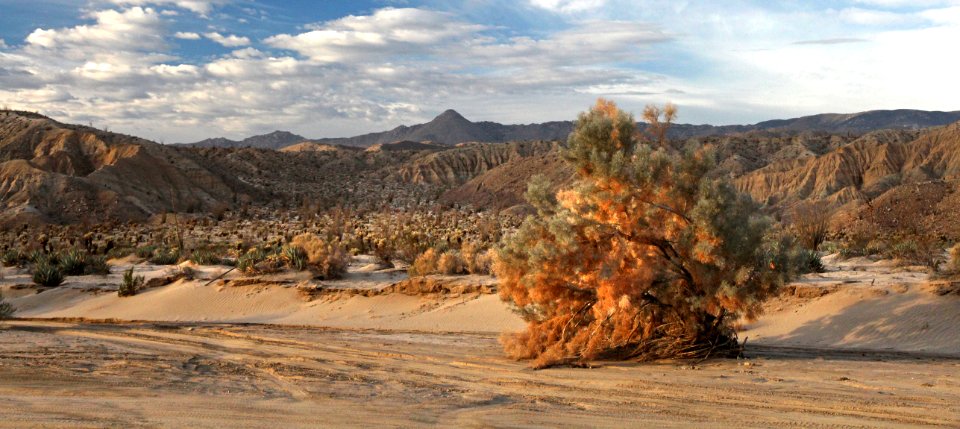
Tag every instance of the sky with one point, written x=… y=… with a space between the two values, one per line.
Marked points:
x=184 y=70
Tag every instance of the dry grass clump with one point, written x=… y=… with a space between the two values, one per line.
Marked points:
x=476 y=259
x=450 y=263
x=329 y=260
x=425 y=264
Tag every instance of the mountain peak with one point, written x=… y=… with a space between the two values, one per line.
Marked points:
x=450 y=115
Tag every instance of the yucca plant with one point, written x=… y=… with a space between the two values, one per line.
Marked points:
x=47 y=274
x=130 y=283
x=296 y=257
x=165 y=257
x=12 y=257
x=6 y=310
x=204 y=257
x=96 y=265
x=72 y=262
x=145 y=251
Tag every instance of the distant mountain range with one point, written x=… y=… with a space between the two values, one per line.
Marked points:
x=452 y=128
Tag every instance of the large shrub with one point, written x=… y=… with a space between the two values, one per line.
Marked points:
x=645 y=256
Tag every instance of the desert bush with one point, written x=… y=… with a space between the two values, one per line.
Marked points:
x=12 y=257
x=130 y=283
x=425 y=264
x=808 y=261
x=205 y=257
x=145 y=252
x=328 y=259
x=6 y=309
x=476 y=259
x=954 y=264
x=247 y=262
x=46 y=273
x=810 y=222
x=450 y=263
x=917 y=249
x=121 y=252
x=188 y=272
x=295 y=257
x=646 y=256
x=165 y=256
x=72 y=262
x=96 y=265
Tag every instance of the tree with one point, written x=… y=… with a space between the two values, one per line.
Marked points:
x=645 y=257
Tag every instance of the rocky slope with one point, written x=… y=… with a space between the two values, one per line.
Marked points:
x=862 y=170
x=57 y=172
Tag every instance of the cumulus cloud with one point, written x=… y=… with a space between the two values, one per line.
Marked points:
x=368 y=72
x=3 y=44
x=386 y=32
x=187 y=35
x=230 y=40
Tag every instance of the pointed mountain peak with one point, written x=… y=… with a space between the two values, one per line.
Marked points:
x=450 y=115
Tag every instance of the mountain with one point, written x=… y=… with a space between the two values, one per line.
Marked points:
x=274 y=140
x=452 y=128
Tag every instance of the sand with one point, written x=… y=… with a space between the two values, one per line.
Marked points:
x=866 y=344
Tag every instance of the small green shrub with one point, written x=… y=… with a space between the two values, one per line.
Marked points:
x=6 y=309
x=205 y=257
x=145 y=252
x=72 y=262
x=165 y=256
x=120 y=252
x=47 y=274
x=12 y=257
x=96 y=265
x=130 y=284
x=247 y=262
x=808 y=261
x=295 y=257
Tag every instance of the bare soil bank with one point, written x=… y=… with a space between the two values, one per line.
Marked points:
x=58 y=374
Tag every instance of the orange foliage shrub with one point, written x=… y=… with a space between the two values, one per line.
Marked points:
x=645 y=257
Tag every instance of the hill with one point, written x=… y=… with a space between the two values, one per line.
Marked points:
x=451 y=128
x=274 y=140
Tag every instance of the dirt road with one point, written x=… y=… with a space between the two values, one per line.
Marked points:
x=179 y=375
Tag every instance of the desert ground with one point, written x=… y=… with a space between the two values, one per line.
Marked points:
x=865 y=344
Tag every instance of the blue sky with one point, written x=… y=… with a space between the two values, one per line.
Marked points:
x=182 y=70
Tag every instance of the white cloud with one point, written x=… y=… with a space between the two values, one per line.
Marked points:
x=202 y=7
x=3 y=44
x=387 y=32
x=569 y=6
x=861 y=16
x=230 y=41
x=187 y=35
x=134 y=28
